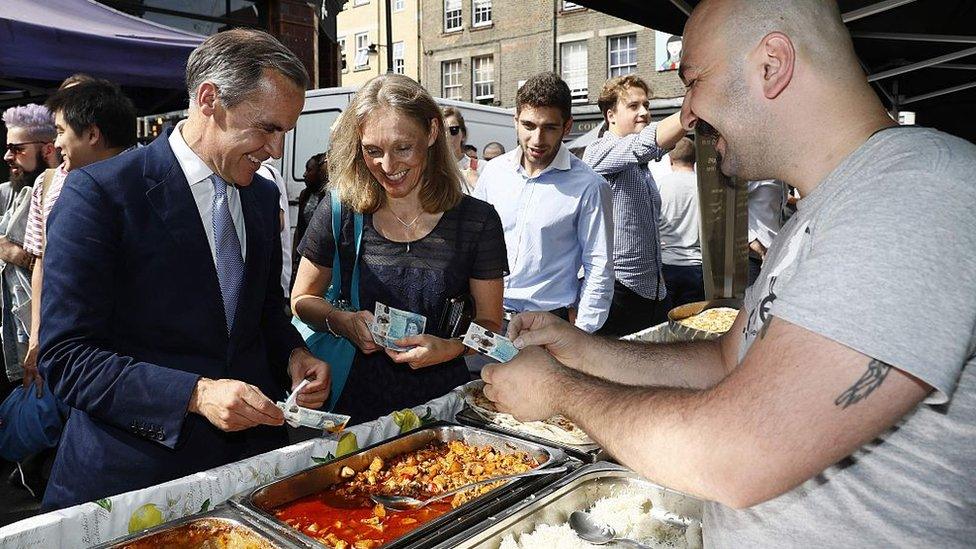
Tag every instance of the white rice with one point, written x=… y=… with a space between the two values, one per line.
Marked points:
x=627 y=512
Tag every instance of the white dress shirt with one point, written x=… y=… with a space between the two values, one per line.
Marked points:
x=198 y=176
x=767 y=199
x=555 y=223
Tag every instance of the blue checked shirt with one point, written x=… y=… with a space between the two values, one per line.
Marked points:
x=636 y=207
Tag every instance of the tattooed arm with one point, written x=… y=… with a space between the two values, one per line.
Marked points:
x=798 y=403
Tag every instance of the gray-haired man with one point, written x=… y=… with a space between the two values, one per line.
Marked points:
x=163 y=319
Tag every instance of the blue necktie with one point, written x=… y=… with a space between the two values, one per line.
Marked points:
x=230 y=263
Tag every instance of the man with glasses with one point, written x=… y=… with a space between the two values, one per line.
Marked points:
x=29 y=151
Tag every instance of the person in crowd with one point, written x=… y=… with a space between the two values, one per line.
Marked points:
x=163 y=317
x=843 y=398
x=680 y=222
x=316 y=178
x=767 y=201
x=492 y=150
x=471 y=152
x=457 y=135
x=29 y=151
x=94 y=121
x=621 y=154
x=556 y=212
x=423 y=243
x=271 y=173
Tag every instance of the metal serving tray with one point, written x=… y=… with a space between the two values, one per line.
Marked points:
x=223 y=514
x=574 y=492
x=687 y=333
x=262 y=500
x=587 y=453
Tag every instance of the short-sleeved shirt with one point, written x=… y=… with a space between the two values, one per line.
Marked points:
x=881 y=257
x=680 y=219
x=467 y=243
x=37 y=217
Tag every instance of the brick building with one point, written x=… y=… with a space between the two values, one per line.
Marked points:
x=482 y=50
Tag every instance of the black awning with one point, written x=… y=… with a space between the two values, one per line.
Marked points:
x=920 y=55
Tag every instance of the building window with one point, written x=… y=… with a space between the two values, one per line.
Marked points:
x=362 y=50
x=341 y=45
x=399 y=65
x=452 y=15
x=451 y=79
x=570 y=6
x=481 y=10
x=622 y=52
x=399 y=5
x=572 y=60
x=483 y=79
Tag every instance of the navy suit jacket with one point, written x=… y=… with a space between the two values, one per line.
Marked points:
x=132 y=316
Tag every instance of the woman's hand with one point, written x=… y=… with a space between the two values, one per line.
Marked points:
x=354 y=326
x=427 y=350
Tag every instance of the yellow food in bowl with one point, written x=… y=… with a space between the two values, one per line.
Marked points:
x=717 y=320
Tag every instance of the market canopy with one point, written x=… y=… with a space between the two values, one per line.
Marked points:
x=913 y=51
x=53 y=39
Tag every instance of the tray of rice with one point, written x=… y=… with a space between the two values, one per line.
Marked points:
x=611 y=494
x=703 y=320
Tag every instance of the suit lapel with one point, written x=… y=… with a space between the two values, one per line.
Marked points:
x=170 y=196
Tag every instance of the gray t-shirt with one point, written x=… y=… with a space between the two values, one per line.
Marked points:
x=881 y=257
x=680 y=219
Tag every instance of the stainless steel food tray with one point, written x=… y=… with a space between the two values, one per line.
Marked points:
x=261 y=500
x=587 y=453
x=223 y=513
x=576 y=491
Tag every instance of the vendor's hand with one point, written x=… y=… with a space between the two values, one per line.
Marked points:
x=528 y=386
x=757 y=248
x=427 y=350
x=233 y=405
x=31 y=373
x=304 y=365
x=564 y=341
x=354 y=326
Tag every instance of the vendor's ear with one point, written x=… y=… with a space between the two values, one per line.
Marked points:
x=777 y=59
x=435 y=128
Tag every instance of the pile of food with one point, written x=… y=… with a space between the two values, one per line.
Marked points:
x=628 y=512
x=344 y=517
x=556 y=429
x=718 y=320
x=203 y=534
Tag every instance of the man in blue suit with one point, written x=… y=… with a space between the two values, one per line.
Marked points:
x=163 y=322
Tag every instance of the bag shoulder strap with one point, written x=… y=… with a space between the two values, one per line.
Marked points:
x=347 y=233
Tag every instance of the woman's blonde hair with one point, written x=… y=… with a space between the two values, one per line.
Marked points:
x=348 y=175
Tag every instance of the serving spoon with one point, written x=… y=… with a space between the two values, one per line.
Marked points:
x=407 y=503
x=587 y=528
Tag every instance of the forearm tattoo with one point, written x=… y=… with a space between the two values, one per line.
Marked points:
x=871 y=380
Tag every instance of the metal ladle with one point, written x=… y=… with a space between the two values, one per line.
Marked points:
x=407 y=503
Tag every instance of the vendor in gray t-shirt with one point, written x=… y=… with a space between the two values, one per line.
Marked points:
x=840 y=409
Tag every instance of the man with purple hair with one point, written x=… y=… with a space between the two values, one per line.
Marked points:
x=29 y=151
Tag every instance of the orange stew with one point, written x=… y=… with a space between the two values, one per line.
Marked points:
x=344 y=517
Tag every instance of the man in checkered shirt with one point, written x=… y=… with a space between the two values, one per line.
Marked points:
x=621 y=154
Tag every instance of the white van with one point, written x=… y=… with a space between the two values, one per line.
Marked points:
x=311 y=134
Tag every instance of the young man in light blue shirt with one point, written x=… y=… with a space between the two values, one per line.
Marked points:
x=556 y=211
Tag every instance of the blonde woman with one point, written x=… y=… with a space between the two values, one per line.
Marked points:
x=423 y=242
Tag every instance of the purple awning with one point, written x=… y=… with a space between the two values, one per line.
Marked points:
x=53 y=39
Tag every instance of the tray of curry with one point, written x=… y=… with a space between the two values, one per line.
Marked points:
x=329 y=505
